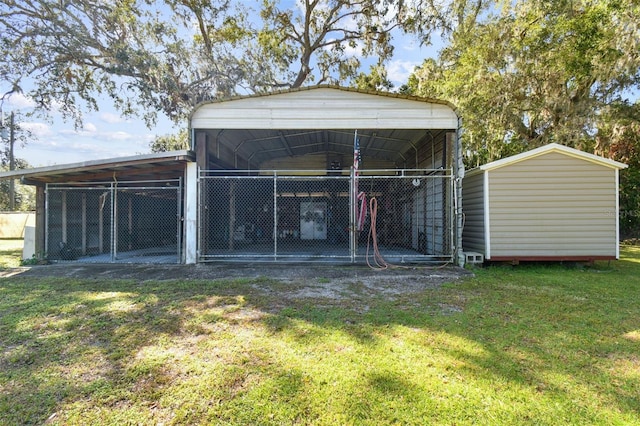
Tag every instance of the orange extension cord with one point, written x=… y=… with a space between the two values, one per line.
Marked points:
x=378 y=260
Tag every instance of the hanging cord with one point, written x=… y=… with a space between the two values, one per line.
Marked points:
x=379 y=263
x=372 y=239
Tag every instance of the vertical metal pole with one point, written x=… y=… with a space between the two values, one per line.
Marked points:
x=425 y=217
x=180 y=224
x=63 y=217
x=275 y=215
x=352 y=216
x=232 y=213
x=84 y=223
x=353 y=198
x=452 y=210
x=101 y=224
x=46 y=221
x=12 y=163
x=459 y=175
x=433 y=201
x=114 y=224
x=41 y=218
x=129 y=222
x=200 y=188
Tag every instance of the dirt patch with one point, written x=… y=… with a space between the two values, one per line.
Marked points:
x=302 y=281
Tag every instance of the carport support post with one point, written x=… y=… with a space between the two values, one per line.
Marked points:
x=191 y=213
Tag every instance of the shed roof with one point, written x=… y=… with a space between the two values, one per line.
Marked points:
x=160 y=165
x=549 y=148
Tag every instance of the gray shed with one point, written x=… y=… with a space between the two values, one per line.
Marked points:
x=552 y=203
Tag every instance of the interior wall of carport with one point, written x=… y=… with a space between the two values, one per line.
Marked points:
x=440 y=229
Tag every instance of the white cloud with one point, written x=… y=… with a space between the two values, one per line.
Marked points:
x=91 y=149
x=39 y=130
x=354 y=51
x=19 y=100
x=90 y=128
x=116 y=136
x=111 y=118
x=399 y=71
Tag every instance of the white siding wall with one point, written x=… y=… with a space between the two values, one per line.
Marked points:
x=553 y=205
x=473 y=233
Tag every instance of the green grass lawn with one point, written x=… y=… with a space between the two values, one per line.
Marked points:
x=550 y=345
x=10 y=253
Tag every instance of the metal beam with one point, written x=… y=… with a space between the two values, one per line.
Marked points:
x=284 y=141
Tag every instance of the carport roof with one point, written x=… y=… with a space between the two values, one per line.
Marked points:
x=156 y=166
x=251 y=130
x=325 y=107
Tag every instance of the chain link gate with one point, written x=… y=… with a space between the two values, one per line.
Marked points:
x=129 y=222
x=302 y=217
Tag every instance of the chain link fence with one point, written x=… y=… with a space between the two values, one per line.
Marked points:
x=136 y=222
x=401 y=216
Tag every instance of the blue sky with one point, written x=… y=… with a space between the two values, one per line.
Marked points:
x=106 y=134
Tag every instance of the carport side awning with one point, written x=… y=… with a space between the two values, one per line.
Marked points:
x=157 y=166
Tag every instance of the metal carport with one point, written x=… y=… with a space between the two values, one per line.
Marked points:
x=271 y=165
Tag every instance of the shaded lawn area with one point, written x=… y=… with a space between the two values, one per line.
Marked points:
x=541 y=344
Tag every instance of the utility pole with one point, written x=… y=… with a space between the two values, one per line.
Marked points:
x=12 y=163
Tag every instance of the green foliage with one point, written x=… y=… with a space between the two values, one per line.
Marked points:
x=376 y=79
x=535 y=72
x=313 y=43
x=619 y=138
x=25 y=196
x=172 y=142
x=166 y=57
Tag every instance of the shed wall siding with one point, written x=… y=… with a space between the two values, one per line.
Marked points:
x=473 y=233
x=323 y=108
x=553 y=205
